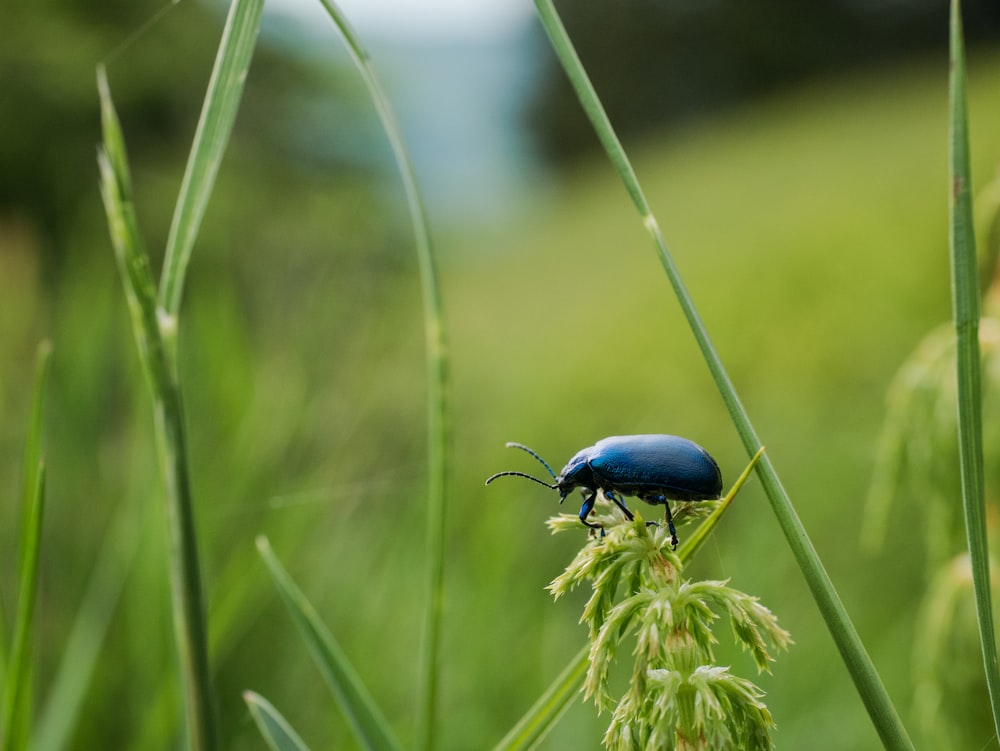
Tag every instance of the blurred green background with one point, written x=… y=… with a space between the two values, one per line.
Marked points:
x=808 y=217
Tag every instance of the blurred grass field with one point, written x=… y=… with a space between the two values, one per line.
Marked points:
x=811 y=230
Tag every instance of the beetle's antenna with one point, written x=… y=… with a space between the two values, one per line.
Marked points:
x=512 y=445
x=491 y=478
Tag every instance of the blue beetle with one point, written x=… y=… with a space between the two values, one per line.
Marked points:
x=655 y=468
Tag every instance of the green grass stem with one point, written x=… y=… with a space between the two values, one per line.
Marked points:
x=435 y=342
x=79 y=662
x=277 y=732
x=543 y=715
x=16 y=710
x=137 y=280
x=965 y=304
x=370 y=726
x=866 y=679
x=155 y=327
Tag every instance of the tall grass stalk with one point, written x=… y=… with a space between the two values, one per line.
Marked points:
x=438 y=425
x=155 y=327
x=16 y=709
x=866 y=678
x=80 y=659
x=185 y=576
x=965 y=306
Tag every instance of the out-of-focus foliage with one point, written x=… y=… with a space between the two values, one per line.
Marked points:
x=918 y=468
x=303 y=273
x=49 y=130
x=302 y=354
x=919 y=454
x=666 y=61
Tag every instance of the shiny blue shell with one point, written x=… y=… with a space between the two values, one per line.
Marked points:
x=653 y=467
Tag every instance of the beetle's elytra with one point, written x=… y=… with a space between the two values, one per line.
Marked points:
x=655 y=468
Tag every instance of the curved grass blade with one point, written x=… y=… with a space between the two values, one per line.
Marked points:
x=549 y=709
x=369 y=725
x=435 y=343
x=211 y=138
x=16 y=710
x=965 y=306
x=278 y=734
x=866 y=679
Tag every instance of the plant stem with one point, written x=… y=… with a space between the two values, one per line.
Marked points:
x=965 y=304
x=155 y=324
x=16 y=707
x=866 y=679
x=436 y=348
x=150 y=331
x=190 y=620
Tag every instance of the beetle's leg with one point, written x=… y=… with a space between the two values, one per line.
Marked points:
x=656 y=500
x=613 y=497
x=587 y=507
x=670 y=523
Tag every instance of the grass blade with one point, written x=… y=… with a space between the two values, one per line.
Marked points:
x=130 y=253
x=211 y=138
x=185 y=572
x=965 y=304
x=15 y=713
x=278 y=734
x=369 y=725
x=862 y=670
x=532 y=728
x=81 y=657
x=438 y=425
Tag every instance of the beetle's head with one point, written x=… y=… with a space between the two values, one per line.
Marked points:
x=575 y=474
x=557 y=485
